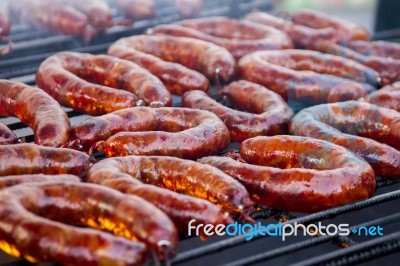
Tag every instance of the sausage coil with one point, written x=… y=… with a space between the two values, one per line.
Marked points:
x=238 y=37
x=268 y=112
x=125 y=175
x=63 y=77
x=366 y=129
x=168 y=131
x=36 y=109
x=298 y=173
x=307 y=75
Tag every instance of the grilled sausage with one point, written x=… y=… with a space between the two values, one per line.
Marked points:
x=62 y=76
x=178 y=175
x=387 y=68
x=124 y=173
x=238 y=37
x=307 y=75
x=57 y=17
x=378 y=48
x=387 y=97
x=179 y=132
x=7 y=136
x=21 y=159
x=40 y=209
x=345 y=30
x=269 y=113
x=13 y=180
x=314 y=174
x=363 y=128
x=38 y=110
x=199 y=55
x=302 y=37
x=137 y=9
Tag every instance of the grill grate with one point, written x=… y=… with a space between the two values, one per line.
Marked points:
x=32 y=47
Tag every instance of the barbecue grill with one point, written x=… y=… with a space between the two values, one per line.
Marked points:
x=33 y=46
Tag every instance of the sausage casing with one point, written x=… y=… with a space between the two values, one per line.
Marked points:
x=238 y=37
x=62 y=76
x=363 y=128
x=40 y=209
x=120 y=173
x=345 y=30
x=307 y=75
x=298 y=174
x=13 y=180
x=179 y=132
x=20 y=159
x=208 y=58
x=387 y=97
x=302 y=37
x=184 y=176
x=38 y=110
x=266 y=112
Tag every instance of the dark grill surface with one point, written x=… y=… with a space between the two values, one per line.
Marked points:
x=33 y=46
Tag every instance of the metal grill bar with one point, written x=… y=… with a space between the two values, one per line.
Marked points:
x=312 y=242
x=369 y=249
x=30 y=53
x=330 y=213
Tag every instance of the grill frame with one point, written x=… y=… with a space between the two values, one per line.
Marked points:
x=357 y=252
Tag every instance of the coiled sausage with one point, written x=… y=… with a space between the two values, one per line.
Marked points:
x=40 y=209
x=307 y=75
x=238 y=37
x=269 y=113
x=184 y=176
x=179 y=132
x=21 y=159
x=205 y=57
x=36 y=109
x=62 y=76
x=314 y=174
x=366 y=129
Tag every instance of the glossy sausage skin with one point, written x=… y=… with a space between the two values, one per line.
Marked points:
x=238 y=37
x=363 y=128
x=387 y=97
x=13 y=180
x=63 y=77
x=298 y=174
x=377 y=48
x=44 y=212
x=36 y=109
x=19 y=159
x=307 y=76
x=57 y=17
x=179 y=132
x=7 y=136
x=137 y=9
x=183 y=176
x=124 y=173
x=199 y=55
x=266 y=113
x=177 y=78
x=345 y=30
x=302 y=37
x=387 y=68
